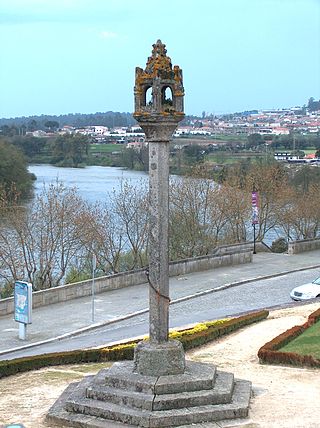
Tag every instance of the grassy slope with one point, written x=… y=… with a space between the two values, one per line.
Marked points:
x=308 y=343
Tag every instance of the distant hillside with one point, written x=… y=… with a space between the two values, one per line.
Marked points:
x=110 y=119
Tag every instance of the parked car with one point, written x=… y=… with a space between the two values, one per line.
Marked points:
x=306 y=291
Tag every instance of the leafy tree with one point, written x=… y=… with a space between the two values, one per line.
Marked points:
x=287 y=142
x=32 y=125
x=128 y=157
x=136 y=159
x=193 y=154
x=313 y=105
x=316 y=141
x=255 y=140
x=51 y=125
x=70 y=150
x=5 y=130
x=13 y=171
x=29 y=145
x=9 y=131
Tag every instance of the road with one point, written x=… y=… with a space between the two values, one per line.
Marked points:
x=247 y=297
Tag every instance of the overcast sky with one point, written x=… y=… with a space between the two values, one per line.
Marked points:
x=79 y=56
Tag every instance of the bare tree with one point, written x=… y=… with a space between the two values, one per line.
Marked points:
x=129 y=207
x=191 y=214
x=104 y=238
x=304 y=209
x=44 y=238
x=235 y=206
x=270 y=181
x=218 y=215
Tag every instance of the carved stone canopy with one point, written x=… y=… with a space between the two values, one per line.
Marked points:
x=158 y=88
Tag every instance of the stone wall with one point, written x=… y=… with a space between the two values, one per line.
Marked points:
x=247 y=246
x=301 y=246
x=127 y=279
x=199 y=264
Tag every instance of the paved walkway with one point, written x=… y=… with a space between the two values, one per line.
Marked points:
x=67 y=317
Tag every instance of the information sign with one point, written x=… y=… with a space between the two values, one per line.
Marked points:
x=22 y=302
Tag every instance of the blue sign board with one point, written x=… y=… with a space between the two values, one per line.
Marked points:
x=22 y=302
x=14 y=426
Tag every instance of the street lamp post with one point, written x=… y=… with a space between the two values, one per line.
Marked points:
x=255 y=215
x=94 y=264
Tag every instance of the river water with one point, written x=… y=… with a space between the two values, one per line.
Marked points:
x=93 y=182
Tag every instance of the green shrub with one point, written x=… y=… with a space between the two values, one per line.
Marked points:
x=6 y=290
x=198 y=335
x=76 y=275
x=279 y=246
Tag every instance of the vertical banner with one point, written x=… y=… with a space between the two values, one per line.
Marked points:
x=255 y=209
x=22 y=302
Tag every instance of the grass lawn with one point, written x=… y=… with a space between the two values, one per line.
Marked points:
x=222 y=158
x=309 y=151
x=308 y=343
x=106 y=148
x=230 y=138
x=225 y=157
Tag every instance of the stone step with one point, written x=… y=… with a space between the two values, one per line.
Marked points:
x=219 y=394
x=197 y=376
x=60 y=416
x=237 y=408
x=138 y=400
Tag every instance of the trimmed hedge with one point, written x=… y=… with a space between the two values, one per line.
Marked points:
x=214 y=330
x=269 y=354
x=196 y=336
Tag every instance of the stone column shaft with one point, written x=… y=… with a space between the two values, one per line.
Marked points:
x=158 y=244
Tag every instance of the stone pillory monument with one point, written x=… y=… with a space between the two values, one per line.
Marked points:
x=159 y=388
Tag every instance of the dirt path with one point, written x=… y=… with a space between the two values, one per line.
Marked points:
x=283 y=397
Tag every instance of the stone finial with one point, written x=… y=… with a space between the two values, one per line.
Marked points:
x=159 y=63
x=158 y=88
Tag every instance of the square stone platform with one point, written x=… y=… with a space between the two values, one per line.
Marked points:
x=119 y=397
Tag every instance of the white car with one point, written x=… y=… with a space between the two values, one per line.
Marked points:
x=306 y=291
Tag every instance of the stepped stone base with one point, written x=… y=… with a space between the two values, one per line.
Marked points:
x=158 y=359
x=118 y=398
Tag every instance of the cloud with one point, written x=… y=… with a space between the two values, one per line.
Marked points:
x=73 y=11
x=34 y=11
x=37 y=11
x=108 y=35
